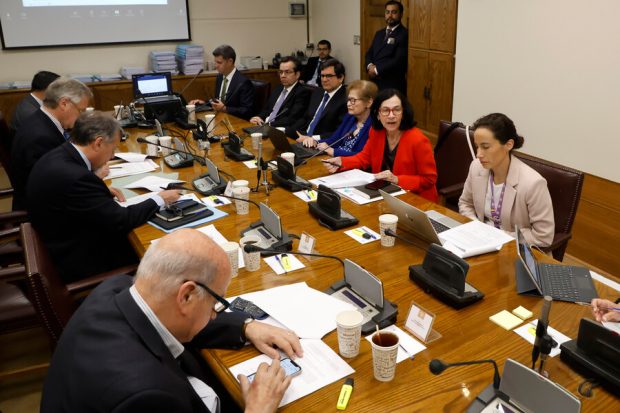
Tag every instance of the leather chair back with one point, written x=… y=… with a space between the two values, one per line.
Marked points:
x=51 y=299
x=262 y=90
x=6 y=139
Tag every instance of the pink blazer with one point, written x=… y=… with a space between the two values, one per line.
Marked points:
x=527 y=202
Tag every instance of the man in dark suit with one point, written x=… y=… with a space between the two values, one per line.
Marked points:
x=84 y=229
x=312 y=71
x=31 y=103
x=44 y=130
x=326 y=108
x=234 y=93
x=129 y=348
x=287 y=102
x=386 y=59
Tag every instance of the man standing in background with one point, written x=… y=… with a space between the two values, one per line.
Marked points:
x=29 y=104
x=312 y=71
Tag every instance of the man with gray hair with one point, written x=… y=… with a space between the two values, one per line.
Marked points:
x=84 y=229
x=129 y=347
x=44 y=130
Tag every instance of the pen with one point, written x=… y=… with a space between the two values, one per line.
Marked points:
x=345 y=394
x=331 y=163
x=369 y=233
x=115 y=166
x=307 y=194
x=281 y=265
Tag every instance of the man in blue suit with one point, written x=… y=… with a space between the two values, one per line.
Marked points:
x=386 y=59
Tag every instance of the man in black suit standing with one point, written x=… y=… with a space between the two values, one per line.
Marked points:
x=44 y=130
x=312 y=71
x=326 y=108
x=84 y=229
x=130 y=346
x=234 y=93
x=386 y=59
x=31 y=103
x=287 y=102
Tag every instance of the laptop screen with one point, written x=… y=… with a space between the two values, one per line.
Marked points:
x=152 y=84
x=526 y=255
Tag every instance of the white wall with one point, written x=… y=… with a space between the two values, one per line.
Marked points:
x=252 y=27
x=553 y=66
x=337 y=21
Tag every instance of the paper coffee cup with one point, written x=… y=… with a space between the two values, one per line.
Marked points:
x=165 y=141
x=242 y=192
x=89 y=109
x=349 y=325
x=232 y=252
x=384 y=351
x=239 y=183
x=152 y=150
x=387 y=221
x=118 y=112
x=289 y=157
x=251 y=259
x=191 y=113
x=210 y=121
x=256 y=139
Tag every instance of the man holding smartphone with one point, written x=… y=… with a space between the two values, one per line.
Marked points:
x=130 y=347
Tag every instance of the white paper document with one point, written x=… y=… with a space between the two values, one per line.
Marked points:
x=353 y=177
x=528 y=332
x=358 y=196
x=131 y=168
x=283 y=265
x=320 y=366
x=308 y=312
x=358 y=235
x=306 y=195
x=152 y=183
x=473 y=238
x=131 y=156
x=407 y=345
x=137 y=199
x=215 y=201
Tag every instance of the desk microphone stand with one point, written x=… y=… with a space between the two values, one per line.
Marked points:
x=261 y=174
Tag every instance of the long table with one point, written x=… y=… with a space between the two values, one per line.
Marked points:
x=467 y=334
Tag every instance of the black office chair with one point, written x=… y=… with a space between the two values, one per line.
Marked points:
x=262 y=90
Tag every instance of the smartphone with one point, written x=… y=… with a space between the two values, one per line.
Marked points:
x=290 y=368
x=378 y=184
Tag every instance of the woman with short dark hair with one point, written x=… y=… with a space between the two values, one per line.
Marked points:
x=501 y=190
x=396 y=151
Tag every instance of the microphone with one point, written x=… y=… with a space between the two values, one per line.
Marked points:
x=541 y=329
x=176 y=185
x=189 y=83
x=199 y=158
x=322 y=151
x=309 y=186
x=391 y=233
x=282 y=112
x=437 y=367
x=249 y=248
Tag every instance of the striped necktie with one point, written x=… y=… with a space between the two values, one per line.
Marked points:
x=224 y=90
x=317 y=115
x=277 y=106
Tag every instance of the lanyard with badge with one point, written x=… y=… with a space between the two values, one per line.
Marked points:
x=496 y=212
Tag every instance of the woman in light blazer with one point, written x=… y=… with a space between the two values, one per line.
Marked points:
x=503 y=191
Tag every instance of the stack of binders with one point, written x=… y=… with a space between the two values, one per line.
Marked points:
x=163 y=62
x=190 y=58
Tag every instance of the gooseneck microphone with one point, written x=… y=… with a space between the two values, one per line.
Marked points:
x=249 y=248
x=322 y=151
x=540 y=342
x=416 y=243
x=437 y=367
x=190 y=82
x=199 y=158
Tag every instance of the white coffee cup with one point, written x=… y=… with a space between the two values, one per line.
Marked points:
x=384 y=351
x=256 y=139
x=118 y=112
x=191 y=113
x=89 y=109
x=289 y=157
x=232 y=252
x=349 y=325
x=239 y=183
x=251 y=259
x=210 y=121
x=387 y=221
x=242 y=192
x=152 y=150
x=165 y=141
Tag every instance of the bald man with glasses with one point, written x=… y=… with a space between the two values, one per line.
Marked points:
x=131 y=345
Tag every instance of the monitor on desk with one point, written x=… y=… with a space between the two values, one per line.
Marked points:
x=149 y=85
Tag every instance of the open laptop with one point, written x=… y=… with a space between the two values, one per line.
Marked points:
x=152 y=87
x=561 y=282
x=424 y=224
x=282 y=144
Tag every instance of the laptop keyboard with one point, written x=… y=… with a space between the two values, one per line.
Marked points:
x=439 y=227
x=301 y=152
x=559 y=282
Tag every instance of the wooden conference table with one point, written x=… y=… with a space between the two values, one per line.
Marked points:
x=467 y=334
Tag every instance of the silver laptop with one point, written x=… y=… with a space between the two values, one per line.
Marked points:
x=426 y=225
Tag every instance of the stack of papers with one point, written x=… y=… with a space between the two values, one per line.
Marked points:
x=473 y=238
x=190 y=58
x=105 y=77
x=163 y=62
x=359 y=197
x=127 y=71
x=131 y=168
x=84 y=78
x=353 y=177
x=153 y=183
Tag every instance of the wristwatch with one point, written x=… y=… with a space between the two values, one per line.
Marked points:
x=245 y=325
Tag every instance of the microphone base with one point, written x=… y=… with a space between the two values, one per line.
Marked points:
x=445 y=293
x=287 y=184
x=206 y=188
x=178 y=160
x=345 y=220
x=268 y=241
x=483 y=399
x=236 y=156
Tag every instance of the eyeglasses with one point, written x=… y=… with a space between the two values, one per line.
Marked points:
x=386 y=111
x=285 y=72
x=353 y=101
x=76 y=106
x=222 y=303
x=327 y=76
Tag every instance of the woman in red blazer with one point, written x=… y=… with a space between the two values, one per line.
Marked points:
x=396 y=150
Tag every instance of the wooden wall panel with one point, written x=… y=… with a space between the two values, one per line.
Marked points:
x=420 y=24
x=418 y=67
x=441 y=74
x=443 y=27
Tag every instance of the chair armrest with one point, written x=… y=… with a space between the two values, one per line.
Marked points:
x=13 y=217
x=91 y=282
x=558 y=239
x=6 y=192
x=13 y=273
x=452 y=190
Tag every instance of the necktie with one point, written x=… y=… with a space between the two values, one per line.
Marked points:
x=315 y=76
x=388 y=33
x=277 y=106
x=66 y=134
x=317 y=115
x=224 y=90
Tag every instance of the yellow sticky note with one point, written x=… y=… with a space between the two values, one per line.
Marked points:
x=506 y=320
x=522 y=312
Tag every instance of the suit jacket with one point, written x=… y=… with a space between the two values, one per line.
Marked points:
x=83 y=227
x=352 y=145
x=330 y=118
x=414 y=164
x=390 y=57
x=527 y=202
x=34 y=139
x=292 y=108
x=310 y=68
x=239 y=95
x=110 y=358
x=24 y=109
